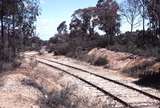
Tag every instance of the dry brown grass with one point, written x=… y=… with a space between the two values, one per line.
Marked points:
x=66 y=98
x=130 y=64
x=65 y=95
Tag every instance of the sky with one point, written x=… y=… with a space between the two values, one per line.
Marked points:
x=53 y=12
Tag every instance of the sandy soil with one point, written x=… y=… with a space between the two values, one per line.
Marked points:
x=40 y=86
x=14 y=94
x=17 y=89
x=30 y=85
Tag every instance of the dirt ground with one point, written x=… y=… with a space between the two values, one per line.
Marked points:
x=33 y=85
x=13 y=93
x=18 y=89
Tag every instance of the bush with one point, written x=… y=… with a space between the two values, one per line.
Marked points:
x=61 y=98
x=66 y=98
x=150 y=80
x=100 y=61
x=148 y=39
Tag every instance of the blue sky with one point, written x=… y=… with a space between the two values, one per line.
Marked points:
x=55 y=11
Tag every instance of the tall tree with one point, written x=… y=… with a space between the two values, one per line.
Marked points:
x=84 y=19
x=108 y=17
x=17 y=17
x=104 y=16
x=62 y=28
x=130 y=10
x=153 y=7
x=143 y=12
x=2 y=27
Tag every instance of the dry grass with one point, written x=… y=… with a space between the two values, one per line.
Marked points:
x=64 y=95
x=95 y=59
x=66 y=98
x=18 y=90
x=127 y=63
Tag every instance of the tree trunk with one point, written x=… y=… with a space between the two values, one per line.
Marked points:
x=143 y=19
x=91 y=31
x=9 y=46
x=13 y=37
x=143 y=22
x=132 y=23
x=159 y=27
x=131 y=27
x=2 y=32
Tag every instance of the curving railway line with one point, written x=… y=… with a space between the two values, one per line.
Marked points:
x=128 y=96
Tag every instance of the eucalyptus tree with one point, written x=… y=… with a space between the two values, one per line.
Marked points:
x=62 y=28
x=143 y=12
x=153 y=7
x=108 y=17
x=82 y=19
x=104 y=16
x=17 y=17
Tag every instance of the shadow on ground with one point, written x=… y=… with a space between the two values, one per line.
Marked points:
x=152 y=81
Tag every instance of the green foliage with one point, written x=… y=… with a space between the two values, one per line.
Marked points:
x=104 y=16
x=62 y=28
x=17 y=19
x=153 y=7
x=100 y=61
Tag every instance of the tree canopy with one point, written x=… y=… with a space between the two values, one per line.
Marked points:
x=17 y=19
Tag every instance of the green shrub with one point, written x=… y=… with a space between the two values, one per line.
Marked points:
x=100 y=61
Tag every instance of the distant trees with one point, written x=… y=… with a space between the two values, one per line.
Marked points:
x=87 y=24
x=84 y=27
x=17 y=19
x=103 y=16
x=99 y=26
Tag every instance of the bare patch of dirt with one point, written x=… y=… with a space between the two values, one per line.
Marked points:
x=34 y=85
x=19 y=90
x=13 y=93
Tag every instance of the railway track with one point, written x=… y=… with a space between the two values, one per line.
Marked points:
x=127 y=95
